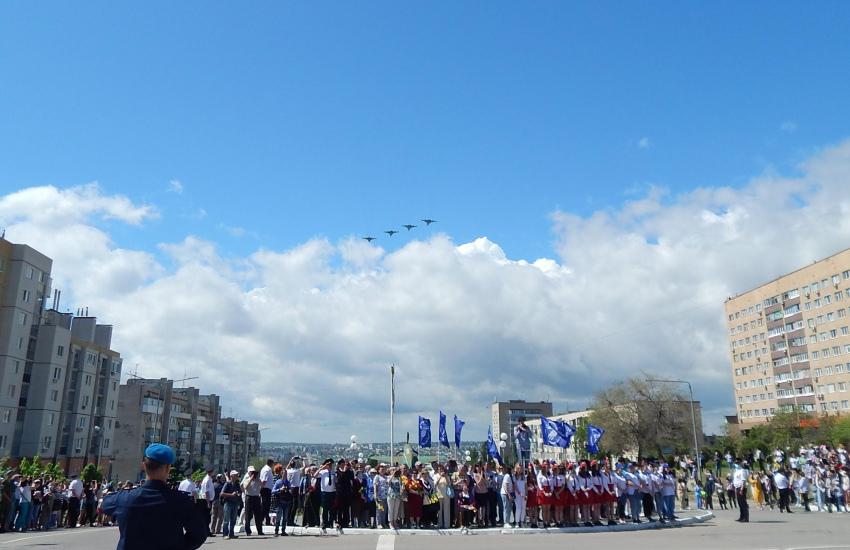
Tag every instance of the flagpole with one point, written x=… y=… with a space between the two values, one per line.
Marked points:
x=392 y=415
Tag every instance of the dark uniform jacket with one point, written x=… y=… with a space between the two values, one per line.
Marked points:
x=156 y=517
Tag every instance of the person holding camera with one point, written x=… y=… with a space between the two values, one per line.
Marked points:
x=253 y=505
x=281 y=500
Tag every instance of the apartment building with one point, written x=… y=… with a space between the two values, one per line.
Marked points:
x=507 y=413
x=539 y=451
x=155 y=411
x=789 y=343
x=238 y=444
x=59 y=381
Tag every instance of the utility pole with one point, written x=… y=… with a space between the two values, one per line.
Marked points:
x=392 y=414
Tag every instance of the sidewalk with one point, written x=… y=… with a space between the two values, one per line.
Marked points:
x=699 y=516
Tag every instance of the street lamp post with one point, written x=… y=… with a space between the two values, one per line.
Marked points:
x=693 y=413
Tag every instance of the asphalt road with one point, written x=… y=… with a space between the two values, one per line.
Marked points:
x=767 y=530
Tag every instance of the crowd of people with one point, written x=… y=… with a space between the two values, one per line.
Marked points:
x=342 y=494
x=35 y=504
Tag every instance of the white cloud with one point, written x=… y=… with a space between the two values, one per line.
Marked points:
x=238 y=231
x=301 y=339
x=644 y=143
x=175 y=186
x=788 y=126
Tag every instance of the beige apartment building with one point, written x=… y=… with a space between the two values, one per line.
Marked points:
x=789 y=342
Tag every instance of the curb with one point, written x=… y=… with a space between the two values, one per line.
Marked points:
x=315 y=531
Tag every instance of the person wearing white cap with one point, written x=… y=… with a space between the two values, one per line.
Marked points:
x=187 y=485
x=254 y=505
x=231 y=493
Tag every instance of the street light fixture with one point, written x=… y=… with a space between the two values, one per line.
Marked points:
x=693 y=413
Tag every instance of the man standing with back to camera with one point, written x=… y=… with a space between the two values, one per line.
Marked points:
x=154 y=516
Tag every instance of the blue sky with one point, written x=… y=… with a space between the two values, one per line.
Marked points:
x=645 y=146
x=294 y=120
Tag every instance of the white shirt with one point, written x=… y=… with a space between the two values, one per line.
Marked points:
x=207 y=488
x=327 y=481
x=187 y=486
x=266 y=477
x=507 y=485
x=621 y=483
x=519 y=486
x=75 y=489
x=294 y=477
x=780 y=480
x=633 y=478
x=668 y=486
x=740 y=478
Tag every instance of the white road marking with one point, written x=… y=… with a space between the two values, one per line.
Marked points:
x=386 y=542
x=64 y=533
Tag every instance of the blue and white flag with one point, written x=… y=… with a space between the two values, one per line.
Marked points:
x=552 y=434
x=492 y=449
x=444 y=437
x=567 y=431
x=424 y=432
x=593 y=436
x=458 y=429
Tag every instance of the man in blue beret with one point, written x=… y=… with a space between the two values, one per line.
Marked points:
x=154 y=516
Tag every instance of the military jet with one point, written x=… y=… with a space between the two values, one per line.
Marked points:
x=409 y=227
x=429 y=222
x=390 y=232
x=369 y=239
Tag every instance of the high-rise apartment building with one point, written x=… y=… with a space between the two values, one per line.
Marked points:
x=789 y=342
x=59 y=377
x=238 y=444
x=155 y=411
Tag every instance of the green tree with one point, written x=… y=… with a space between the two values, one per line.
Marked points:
x=198 y=475
x=91 y=473
x=579 y=442
x=175 y=475
x=641 y=417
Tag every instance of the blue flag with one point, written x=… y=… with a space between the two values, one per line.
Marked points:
x=444 y=437
x=593 y=436
x=492 y=449
x=552 y=434
x=424 y=432
x=567 y=431
x=458 y=429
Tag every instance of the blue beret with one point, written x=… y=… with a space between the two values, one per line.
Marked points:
x=160 y=453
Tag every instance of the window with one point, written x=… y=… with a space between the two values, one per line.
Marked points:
x=830 y=317
x=50 y=418
x=7 y=416
x=839 y=369
x=54 y=396
x=10 y=391
x=748 y=399
x=810 y=323
x=114 y=386
x=16 y=367
x=824 y=353
x=845 y=404
x=22 y=318
x=815 y=355
x=817 y=303
x=112 y=405
x=91 y=359
x=822 y=336
x=47 y=442
x=846 y=274
x=827 y=300
x=830 y=388
x=824 y=283
x=845 y=331
x=82 y=422
x=827 y=371
x=833 y=405
x=30 y=273
x=808 y=306
x=740 y=399
x=758 y=308
x=820 y=319
x=85 y=401
x=738 y=385
x=57 y=373
x=833 y=334
x=823 y=407
x=88 y=380
x=818 y=372
x=842 y=314
x=836 y=351
x=835 y=280
x=838 y=296
x=60 y=351
x=813 y=338
x=3 y=440
x=842 y=386
x=105 y=443
x=20 y=344
x=26 y=295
